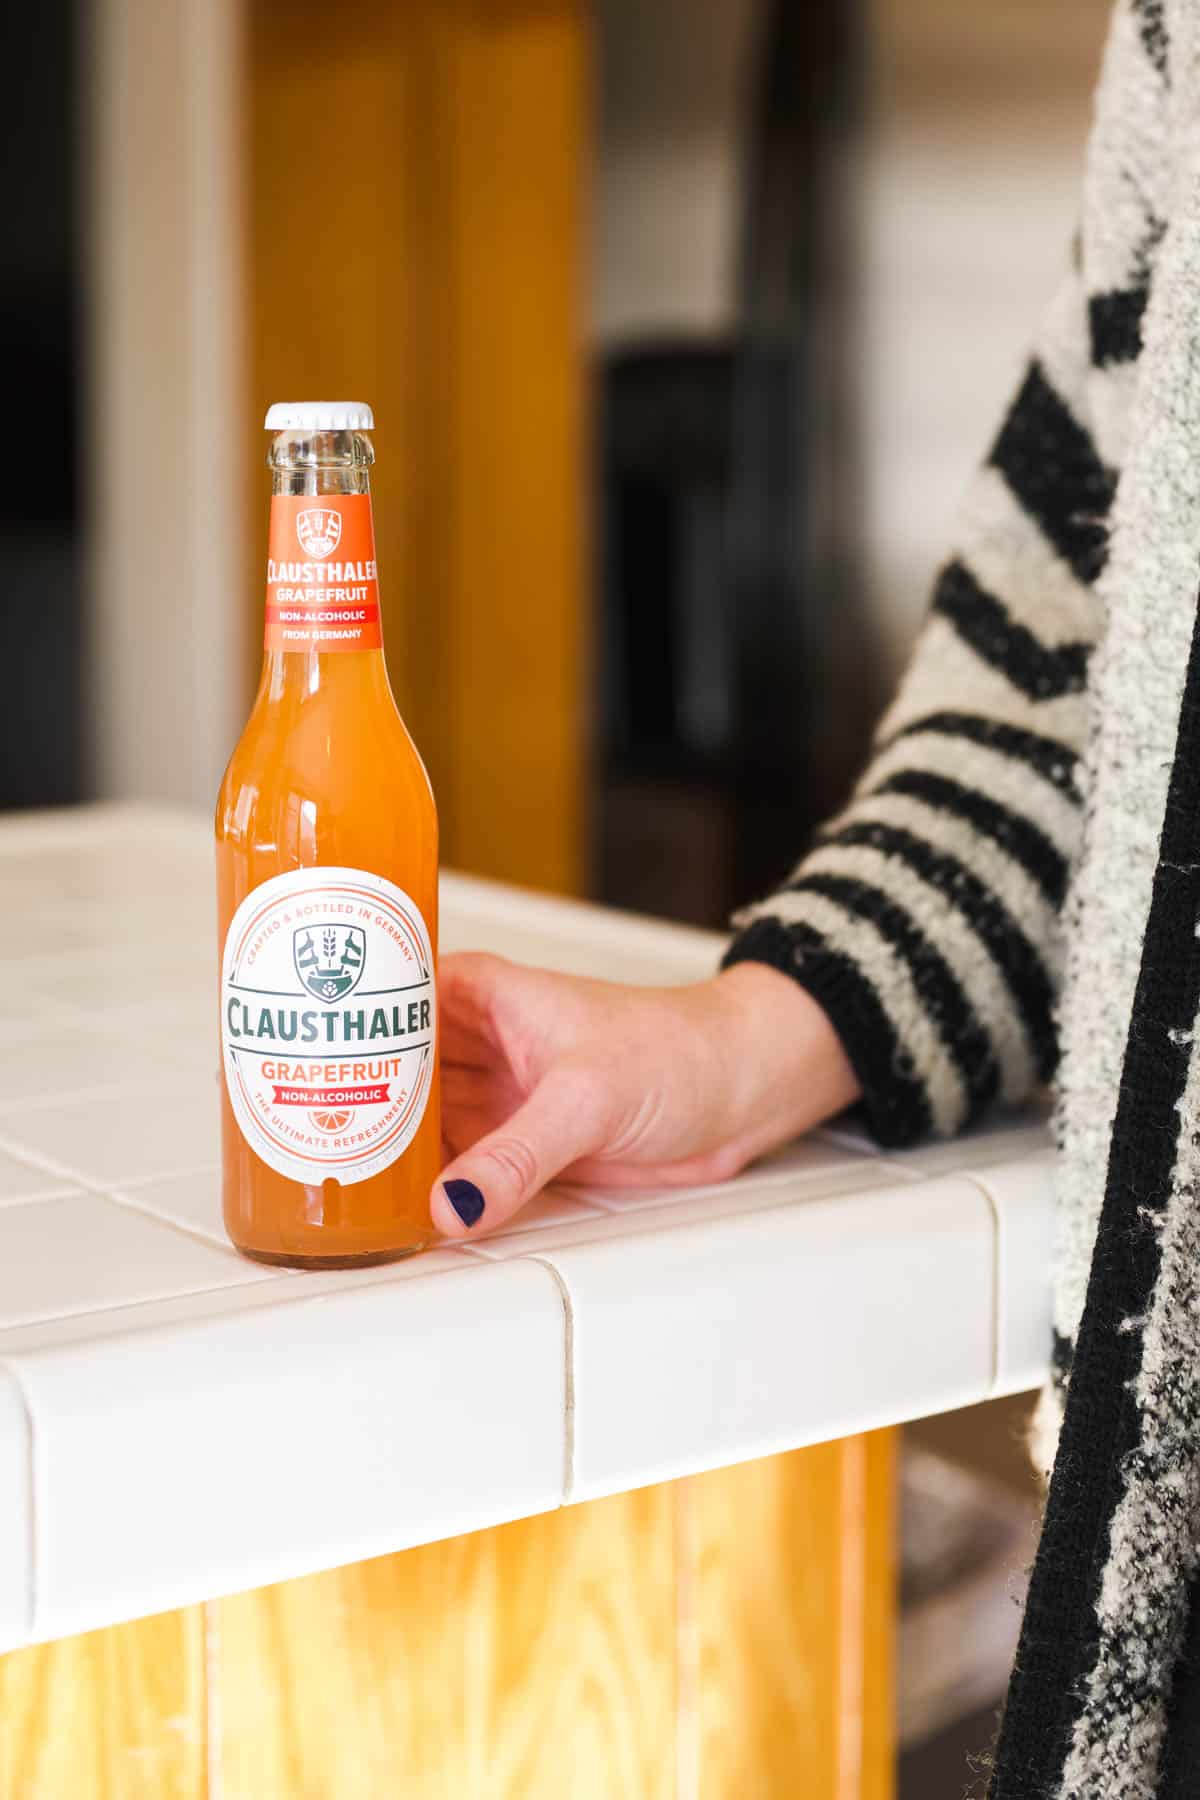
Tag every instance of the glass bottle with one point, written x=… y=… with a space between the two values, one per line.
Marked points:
x=327 y=855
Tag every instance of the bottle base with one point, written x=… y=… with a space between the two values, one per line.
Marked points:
x=369 y=1259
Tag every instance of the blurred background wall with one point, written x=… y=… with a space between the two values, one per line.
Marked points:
x=889 y=193
x=683 y=324
x=971 y=160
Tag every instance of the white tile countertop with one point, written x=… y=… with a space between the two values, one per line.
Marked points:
x=178 y=1423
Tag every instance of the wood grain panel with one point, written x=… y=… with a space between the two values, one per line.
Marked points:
x=415 y=231
x=531 y=1662
x=518 y=642
x=110 y=1715
x=790 y=1612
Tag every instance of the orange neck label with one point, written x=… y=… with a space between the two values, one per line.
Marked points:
x=322 y=581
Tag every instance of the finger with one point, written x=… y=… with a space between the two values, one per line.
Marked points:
x=462 y=1039
x=462 y=1130
x=707 y=1166
x=467 y=982
x=469 y=1087
x=466 y=987
x=557 y=1125
x=471 y=1113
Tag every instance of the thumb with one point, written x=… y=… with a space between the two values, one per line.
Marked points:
x=496 y=1177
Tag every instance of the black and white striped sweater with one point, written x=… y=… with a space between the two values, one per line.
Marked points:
x=1020 y=868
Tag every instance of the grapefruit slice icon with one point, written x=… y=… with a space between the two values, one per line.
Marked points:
x=331 y=1120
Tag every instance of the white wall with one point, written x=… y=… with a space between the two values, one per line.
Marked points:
x=164 y=477
x=966 y=183
x=674 y=87
x=970 y=194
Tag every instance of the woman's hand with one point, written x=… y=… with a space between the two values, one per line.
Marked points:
x=549 y=1075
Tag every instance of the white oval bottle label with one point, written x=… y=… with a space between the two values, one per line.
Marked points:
x=328 y=1022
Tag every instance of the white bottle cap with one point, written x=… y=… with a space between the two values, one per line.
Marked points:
x=319 y=415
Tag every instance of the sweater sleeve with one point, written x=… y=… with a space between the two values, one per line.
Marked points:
x=926 y=921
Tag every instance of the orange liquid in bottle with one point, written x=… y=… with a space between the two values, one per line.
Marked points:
x=330 y=1118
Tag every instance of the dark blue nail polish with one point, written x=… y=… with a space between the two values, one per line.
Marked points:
x=466 y=1200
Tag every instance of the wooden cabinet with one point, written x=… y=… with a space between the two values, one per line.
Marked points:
x=415 y=239
x=704 y=1640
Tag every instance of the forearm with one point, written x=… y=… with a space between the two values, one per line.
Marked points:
x=784 y=1066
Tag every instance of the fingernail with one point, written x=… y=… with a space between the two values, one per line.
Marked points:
x=466 y=1200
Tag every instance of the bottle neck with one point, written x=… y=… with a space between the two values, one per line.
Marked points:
x=320 y=462
x=322 y=612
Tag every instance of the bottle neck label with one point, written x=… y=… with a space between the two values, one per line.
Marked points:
x=322 y=580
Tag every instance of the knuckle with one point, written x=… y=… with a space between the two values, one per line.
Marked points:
x=515 y=1161
x=478 y=967
x=474 y=982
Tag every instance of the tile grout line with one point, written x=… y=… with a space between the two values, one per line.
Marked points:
x=994 y=1335
x=37 y=1159
x=808 y=1184
x=153 y=1087
x=12 y=1201
x=34 y=1159
x=671 y=1217
x=286 y=1285
x=192 y=1235
x=83 y=1183
x=122 y=1306
x=33 y=1534
x=568 y=1377
x=98 y=1190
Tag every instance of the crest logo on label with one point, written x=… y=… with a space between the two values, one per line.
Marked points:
x=319 y=529
x=329 y=959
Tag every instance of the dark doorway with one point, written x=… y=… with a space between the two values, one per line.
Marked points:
x=738 y=686
x=41 y=619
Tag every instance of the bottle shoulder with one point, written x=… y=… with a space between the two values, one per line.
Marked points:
x=307 y=793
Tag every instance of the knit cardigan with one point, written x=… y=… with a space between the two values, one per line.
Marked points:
x=1019 y=869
